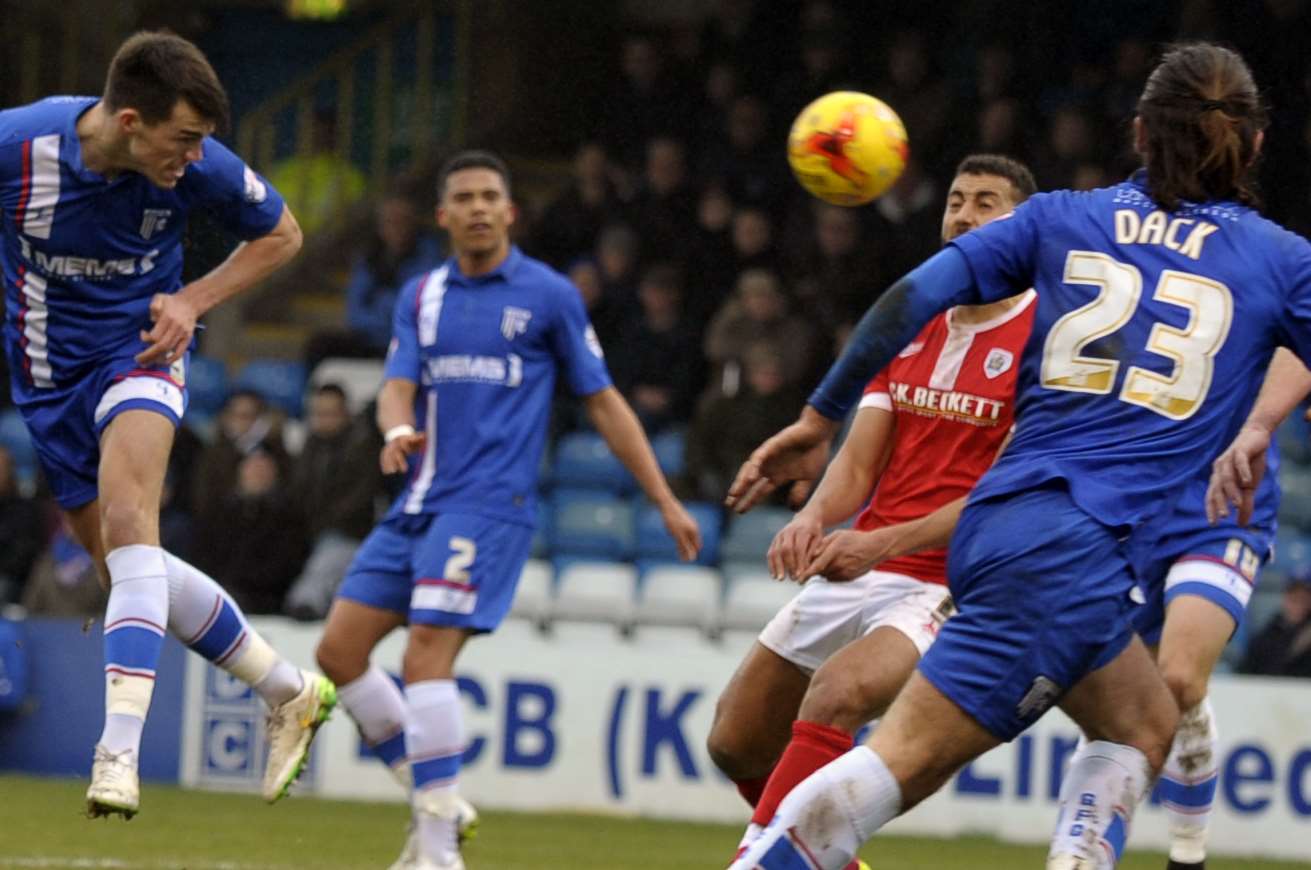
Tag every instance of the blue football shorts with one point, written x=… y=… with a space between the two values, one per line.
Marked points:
x=441 y=569
x=1044 y=597
x=1219 y=563
x=66 y=421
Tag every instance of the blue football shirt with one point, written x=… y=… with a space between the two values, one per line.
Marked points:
x=486 y=352
x=82 y=255
x=1151 y=337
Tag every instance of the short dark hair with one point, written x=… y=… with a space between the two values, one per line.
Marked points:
x=472 y=159
x=1201 y=114
x=153 y=70
x=332 y=388
x=1003 y=167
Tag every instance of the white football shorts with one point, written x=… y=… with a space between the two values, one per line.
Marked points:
x=824 y=616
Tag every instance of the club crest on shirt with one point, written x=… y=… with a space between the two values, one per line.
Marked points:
x=998 y=362
x=514 y=321
x=153 y=220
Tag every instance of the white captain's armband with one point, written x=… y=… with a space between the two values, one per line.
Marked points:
x=402 y=431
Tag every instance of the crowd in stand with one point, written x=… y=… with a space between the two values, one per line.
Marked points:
x=719 y=290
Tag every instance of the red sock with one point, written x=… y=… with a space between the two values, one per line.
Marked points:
x=813 y=745
x=751 y=789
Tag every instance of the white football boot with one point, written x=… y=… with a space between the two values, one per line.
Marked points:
x=115 y=787
x=290 y=729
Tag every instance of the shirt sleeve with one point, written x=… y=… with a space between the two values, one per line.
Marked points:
x=403 y=353
x=242 y=200
x=1003 y=254
x=575 y=345
x=894 y=320
x=878 y=393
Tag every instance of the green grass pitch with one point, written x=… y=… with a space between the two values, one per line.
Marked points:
x=42 y=827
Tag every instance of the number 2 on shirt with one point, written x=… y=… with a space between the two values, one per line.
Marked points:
x=1192 y=349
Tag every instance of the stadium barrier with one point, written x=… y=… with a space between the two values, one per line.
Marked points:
x=582 y=719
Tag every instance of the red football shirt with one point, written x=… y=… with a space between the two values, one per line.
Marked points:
x=953 y=393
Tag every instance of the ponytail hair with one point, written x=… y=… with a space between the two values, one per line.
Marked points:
x=1201 y=115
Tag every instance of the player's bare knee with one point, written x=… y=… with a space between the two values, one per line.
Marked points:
x=837 y=701
x=1187 y=683
x=338 y=661
x=125 y=521
x=729 y=752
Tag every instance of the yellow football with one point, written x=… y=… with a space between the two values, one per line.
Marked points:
x=847 y=147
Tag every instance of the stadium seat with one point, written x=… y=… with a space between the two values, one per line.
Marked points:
x=281 y=382
x=670 y=447
x=541 y=546
x=532 y=599
x=1292 y=552
x=596 y=592
x=753 y=598
x=680 y=595
x=359 y=378
x=207 y=385
x=748 y=536
x=655 y=544
x=582 y=459
x=587 y=523
x=1294 y=438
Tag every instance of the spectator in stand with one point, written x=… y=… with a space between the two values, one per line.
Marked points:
x=601 y=310
x=337 y=508
x=644 y=104
x=921 y=98
x=245 y=424
x=571 y=223
x=825 y=67
x=22 y=531
x=908 y=220
x=710 y=277
x=747 y=159
x=727 y=428
x=1282 y=648
x=1070 y=144
x=837 y=271
x=660 y=369
x=757 y=314
x=664 y=211
x=399 y=248
x=723 y=85
x=63 y=581
x=999 y=128
x=616 y=258
x=318 y=183
x=255 y=540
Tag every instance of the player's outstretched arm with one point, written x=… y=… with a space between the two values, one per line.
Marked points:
x=1237 y=472
x=798 y=452
x=396 y=422
x=619 y=426
x=842 y=490
x=174 y=315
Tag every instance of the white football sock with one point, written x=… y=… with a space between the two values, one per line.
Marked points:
x=205 y=618
x=1105 y=783
x=135 y=617
x=376 y=704
x=434 y=738
x=829 y=815
x=1188 y=783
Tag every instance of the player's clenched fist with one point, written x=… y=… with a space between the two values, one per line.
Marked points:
x=401 y=442
x=174 y=320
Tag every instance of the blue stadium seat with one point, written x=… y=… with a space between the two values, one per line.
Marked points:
x=1294 y=438
x=1292 y=552
x=654 y=543
x=582 y=459
x=281 y=382
x=670 y=447
x=589 y=523
x=681 y=595
x=749 y=535
x=541 y=547
x=207 y=385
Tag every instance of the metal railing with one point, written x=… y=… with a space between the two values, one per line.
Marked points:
x=384 y=98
